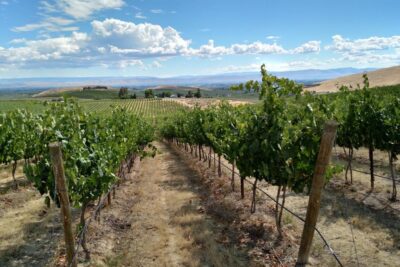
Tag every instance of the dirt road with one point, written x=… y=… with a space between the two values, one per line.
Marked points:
x=168 y=225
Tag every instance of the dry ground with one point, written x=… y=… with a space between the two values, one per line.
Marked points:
x=29 y=231
x=362 y=227
x=164 y=219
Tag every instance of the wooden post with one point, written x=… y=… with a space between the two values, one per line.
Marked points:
x=314 y=200
x=59 y=175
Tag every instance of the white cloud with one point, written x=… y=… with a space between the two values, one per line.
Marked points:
x=156 y=64
x=343 y=45
x=273 y=37
x=143 y=39
x=121 y=44
x=139 y=15
x=308 y=47
x=129 y=63
x=17 y=41
x=43 y=50
x=156 y=11
x=80 y=9
x=50 y=24
x=369 y=58
x=371 y=51
x=210 y=49
x=111 y=42
x=257 y=48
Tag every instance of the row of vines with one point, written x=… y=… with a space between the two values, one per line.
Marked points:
x=278 y=141
x=95 y=148
x=144 y=107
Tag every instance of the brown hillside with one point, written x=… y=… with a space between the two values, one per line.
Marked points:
x=381 y=77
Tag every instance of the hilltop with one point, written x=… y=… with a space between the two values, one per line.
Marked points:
x=381 y=77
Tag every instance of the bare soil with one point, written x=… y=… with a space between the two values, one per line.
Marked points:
x=158 y=218
x=29 y=231
x=361 y=226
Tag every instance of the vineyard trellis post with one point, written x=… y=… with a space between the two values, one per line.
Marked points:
x=314 y=200
x=59 y=176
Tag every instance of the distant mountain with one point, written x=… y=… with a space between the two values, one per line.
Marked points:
x=306 y=76
x=381 y=77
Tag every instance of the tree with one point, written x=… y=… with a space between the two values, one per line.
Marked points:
x=133 y=96
x=123 y=93
x=189 y=94
x=148 y=93
x=164 y=94
x=197 y=94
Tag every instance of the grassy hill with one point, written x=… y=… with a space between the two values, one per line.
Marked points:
x=79 y=92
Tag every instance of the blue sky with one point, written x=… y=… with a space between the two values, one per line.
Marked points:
x=53 y=38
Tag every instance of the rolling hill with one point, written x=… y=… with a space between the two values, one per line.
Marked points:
x=381 y=77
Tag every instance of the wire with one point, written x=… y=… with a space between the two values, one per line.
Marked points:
x=289 y=211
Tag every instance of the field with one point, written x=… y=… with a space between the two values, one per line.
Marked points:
x=35 y=106
x=143 y=107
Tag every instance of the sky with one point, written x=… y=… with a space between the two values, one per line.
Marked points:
x=90 y=38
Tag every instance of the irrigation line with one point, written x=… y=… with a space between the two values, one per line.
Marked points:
x=377 y=175
x=369 y=195
x=289 y=211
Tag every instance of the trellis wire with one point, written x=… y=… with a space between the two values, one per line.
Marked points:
x=289 y=211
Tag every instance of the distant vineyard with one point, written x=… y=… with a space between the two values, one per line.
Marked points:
x=35 y=106
x=144 y=107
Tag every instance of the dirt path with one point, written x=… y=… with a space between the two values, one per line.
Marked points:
x=168 y=225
